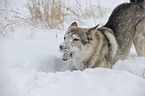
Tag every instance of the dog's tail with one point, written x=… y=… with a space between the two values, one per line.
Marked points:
x=136 y=0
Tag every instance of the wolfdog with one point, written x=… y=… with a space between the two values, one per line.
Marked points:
x=102 y=47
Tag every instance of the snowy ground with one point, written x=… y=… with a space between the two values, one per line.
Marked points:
x=31 y=65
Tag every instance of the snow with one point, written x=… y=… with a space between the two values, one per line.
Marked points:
x=31 y=65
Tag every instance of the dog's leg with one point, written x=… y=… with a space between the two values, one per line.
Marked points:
x=139 y=46
x=144 y=50
x=109 y=65
x=139 y=39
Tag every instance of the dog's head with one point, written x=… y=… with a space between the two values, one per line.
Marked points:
x=75 y=39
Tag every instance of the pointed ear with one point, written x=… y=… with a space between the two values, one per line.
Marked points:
x=74 y=24
x=93 y=28
x=92 y=31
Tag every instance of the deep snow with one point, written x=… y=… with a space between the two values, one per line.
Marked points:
x=31 y=65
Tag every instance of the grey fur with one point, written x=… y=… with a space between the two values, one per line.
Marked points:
x=94 y=47
x=123 y=22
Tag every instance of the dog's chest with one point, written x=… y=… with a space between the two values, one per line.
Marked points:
x=84 y=53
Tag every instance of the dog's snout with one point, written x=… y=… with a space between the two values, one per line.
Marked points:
x=62 y=47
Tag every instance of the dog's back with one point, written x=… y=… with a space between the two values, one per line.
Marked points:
x=123 y=22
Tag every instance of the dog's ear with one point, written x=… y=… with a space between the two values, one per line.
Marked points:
x=94 y=28
x=74 y=24
x=92 y=31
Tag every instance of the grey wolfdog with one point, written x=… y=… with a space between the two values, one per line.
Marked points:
x=102 y=47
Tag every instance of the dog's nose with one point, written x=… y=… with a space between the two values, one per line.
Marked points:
x=62 y=47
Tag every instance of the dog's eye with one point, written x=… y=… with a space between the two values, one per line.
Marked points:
x=75 y=39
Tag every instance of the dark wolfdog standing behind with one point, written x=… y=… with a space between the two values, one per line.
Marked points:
x=124 y=21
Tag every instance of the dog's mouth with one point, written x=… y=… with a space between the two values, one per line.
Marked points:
x=67 y=55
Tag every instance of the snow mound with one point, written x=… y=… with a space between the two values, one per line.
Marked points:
x=135 y=65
